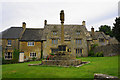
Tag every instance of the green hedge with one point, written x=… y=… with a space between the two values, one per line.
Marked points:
x=99 y=54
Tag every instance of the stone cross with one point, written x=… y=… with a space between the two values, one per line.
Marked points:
x=62 y=26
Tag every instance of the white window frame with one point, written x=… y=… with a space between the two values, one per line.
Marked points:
x=78 y=51
x=6 y=55
x=78 y=41
x=9 y=42
x=31 y=43
x=54 y=32
x=78 y=32
x=33 y=53
x=54 y=41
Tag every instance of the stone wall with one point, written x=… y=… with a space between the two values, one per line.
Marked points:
x=69 y=38
x=6 y=48
x=28 y=49
x=108 y=50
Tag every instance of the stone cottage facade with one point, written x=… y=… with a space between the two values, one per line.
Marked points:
x=38 y=42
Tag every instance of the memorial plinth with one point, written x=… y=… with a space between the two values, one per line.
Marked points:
x=62 y=58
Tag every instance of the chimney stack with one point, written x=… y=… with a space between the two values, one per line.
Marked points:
x=83 y=23
x=45 y=22
x=23 y=25
x=92 y=31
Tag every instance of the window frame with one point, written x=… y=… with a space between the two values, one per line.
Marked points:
x=8 y=56
x=78 y=32
x=101 y=40
x=54 y=50
x=30 y=43
x=9 y=42
x=54 y=32
x=54 y=41
x=79 y=51
x=34 y=54
x=78 y=41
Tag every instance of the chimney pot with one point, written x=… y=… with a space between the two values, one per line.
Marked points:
x=92 y=30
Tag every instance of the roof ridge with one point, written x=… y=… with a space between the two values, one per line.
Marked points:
x=15 y=27
x=66 y=24
x=36 y=28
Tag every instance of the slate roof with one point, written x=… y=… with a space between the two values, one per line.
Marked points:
x=32 y=34
x=13 y=32
x=69 y=29
x=99 y=35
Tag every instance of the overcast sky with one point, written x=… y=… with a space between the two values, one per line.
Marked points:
x=34 y=12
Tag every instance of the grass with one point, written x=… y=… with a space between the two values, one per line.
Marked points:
x=105 y=65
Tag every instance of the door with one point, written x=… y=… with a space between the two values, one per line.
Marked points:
x=21 y=57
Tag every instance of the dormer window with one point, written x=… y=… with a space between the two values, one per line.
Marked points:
x=9 y=42
x=54 y=32
x=101 y=39
x=78 y=32
x=30 y=43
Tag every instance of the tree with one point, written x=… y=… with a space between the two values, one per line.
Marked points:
x=106 y=29
x=116 y=29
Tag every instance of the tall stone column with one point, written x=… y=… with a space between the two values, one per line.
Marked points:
x=62 y=26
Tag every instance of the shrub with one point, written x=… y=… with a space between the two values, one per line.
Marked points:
x=99 y=54
x=47 y=58
x=91 y=52
x=52 y=54
x=33 y=58
x=50 y=57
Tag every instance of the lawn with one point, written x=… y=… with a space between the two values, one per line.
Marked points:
x=105 y=65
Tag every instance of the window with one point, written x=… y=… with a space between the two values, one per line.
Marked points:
x=62 y=48
x=78 y=41
x=9 y=42
x=8 y=55
x=101 y=39
x=54 y=41
x=32 y=54
x=78 y=51
x=54 y=50
x=30 y=43
x=78 y=32
x=54 y=33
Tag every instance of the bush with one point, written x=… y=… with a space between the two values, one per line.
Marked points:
x=47 y=58
x=91 y=52
x=99 y=54
x=52 y=54
x=34 y=58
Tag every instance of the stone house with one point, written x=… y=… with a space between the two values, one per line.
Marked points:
x=99 y=37
x=31 y=43
x=74 y=37
x=10 y=41
x=40 y=42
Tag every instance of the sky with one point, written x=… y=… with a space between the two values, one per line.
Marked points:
x=34 y=12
